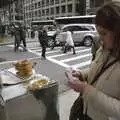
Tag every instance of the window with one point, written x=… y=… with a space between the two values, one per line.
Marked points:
x=52 y=10
x=85 y=28
x=62 y=1
x=63 y=9
x=39 y=4
x=35 y=5
x=43 y=12
x=47 y=2
x=72 y=28
x=56 y=1
x=57 y=10
x=43 y=3
x=51 y=2
x=47 y=11
x=35 y=13
x=70 y=8
x=77 y=9
x=39 y=12
x=92 y=3
x=98 y=3
x=76 y=28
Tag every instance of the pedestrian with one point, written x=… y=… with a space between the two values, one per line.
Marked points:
x=43 y=38
x=69 y=42
x=17 y=37
x=99 y=87
x=23 y=38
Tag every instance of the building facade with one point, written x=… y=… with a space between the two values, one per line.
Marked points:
x=50 y=9
x=12 y=12
x=93 y=5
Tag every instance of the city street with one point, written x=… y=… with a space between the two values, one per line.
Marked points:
x=56 y=62
x=53 y=67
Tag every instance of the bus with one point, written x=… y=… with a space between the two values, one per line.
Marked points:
x=43 y=22
x=87 y=19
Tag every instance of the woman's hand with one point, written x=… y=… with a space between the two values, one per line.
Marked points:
x=75 y=73
x=75 y=83
x=79 y=86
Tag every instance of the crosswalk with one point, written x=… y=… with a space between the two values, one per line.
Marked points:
x=81 y=59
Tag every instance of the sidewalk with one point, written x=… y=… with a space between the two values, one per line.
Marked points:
x=66 y=100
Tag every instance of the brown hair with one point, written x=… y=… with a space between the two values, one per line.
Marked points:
x=108 y=16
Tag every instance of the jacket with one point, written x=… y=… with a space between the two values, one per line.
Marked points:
x=103 y=101
x=69 y=39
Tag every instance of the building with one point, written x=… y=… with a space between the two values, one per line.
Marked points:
x=12 y=12
x=93 y=5
x=49 y=9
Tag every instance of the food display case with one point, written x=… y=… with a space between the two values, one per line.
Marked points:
x=17 y=103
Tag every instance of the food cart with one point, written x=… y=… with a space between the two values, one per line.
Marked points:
x=17 y=103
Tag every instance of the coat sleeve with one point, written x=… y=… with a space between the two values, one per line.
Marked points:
x=104 y=103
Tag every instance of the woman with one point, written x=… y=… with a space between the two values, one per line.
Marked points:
x=102 y=98
x=69 y=42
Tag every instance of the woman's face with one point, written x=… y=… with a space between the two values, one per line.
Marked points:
x=106 y=36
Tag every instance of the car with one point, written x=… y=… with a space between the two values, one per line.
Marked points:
x=82 y=33
x=51 y=38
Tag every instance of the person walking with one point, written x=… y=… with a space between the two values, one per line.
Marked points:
x=99 y=87
x=17 y=39
x=69 y=42
x=43 y=42
x=23 y=38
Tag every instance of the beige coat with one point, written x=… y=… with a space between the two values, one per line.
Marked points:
x=104 y=100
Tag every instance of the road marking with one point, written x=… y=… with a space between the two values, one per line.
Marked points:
x=58 y=62
x=63 y=54
x=75 y=58
x=81 y=64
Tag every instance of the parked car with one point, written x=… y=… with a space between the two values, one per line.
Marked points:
x=82 y=33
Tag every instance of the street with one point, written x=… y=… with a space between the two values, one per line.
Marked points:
x=53 y=67
x=56 y=62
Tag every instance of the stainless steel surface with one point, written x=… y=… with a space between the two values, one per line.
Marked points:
x=23 y=105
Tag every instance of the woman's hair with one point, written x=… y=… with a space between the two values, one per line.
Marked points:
x=108 y=17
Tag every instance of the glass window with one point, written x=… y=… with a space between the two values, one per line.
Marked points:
x=70 y=8
x=43 y=3
x=51 y=2
x=92 y=3
x=52 y=10
x=35 y=5
x=35 y=13
x=47 y=2
x=39 y=4
x=47 y=11
x=43 y=12
x=39 y=12
x=57 y=10
x=63 y=9
x=76 y=28
x=62 y=1
x=56 y=1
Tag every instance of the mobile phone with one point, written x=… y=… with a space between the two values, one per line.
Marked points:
x=69 y=75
